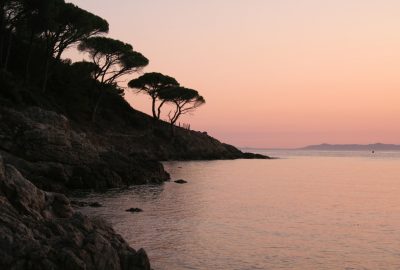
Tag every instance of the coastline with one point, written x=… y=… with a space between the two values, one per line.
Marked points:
x=60 y=155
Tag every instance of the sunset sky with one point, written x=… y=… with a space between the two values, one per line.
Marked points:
x=275 y=73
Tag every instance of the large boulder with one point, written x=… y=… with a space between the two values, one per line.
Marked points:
x=40 y=230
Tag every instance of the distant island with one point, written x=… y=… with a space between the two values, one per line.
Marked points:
x=353 y=147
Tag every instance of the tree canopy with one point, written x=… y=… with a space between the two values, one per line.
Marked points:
x=73 y=24
x=185 y=100
x=113 y=57
x=151 y=84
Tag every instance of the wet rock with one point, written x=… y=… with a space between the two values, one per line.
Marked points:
x=254 y=156
x=79 y=204
x=180 y=181
x=95 y=204
x=134 y=210
x=86 y=204
x=40 y=230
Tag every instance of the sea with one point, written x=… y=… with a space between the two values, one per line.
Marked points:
x=303 y=210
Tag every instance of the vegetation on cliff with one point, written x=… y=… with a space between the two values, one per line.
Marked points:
x=34 y=35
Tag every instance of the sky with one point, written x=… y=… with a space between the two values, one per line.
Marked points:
x=274 y=73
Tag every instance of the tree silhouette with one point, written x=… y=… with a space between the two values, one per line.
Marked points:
x=184 y=99
x=114 y=59
x=11 y=12
x=151 y=84
x=65 y=24
x=75 y=24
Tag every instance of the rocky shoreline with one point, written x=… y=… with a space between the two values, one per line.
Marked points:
x=40 y=230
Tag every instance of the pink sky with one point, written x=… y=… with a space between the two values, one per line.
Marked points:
x=275 y=73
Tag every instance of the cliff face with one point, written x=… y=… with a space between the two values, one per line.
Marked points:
x=40 y=230
x=58 y=154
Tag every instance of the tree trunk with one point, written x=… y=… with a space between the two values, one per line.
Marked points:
x=61 y=50
x=159 y=109
x=153 y=107
x=173 y=121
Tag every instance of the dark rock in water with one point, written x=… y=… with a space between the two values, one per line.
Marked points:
x=254 y=156
x=85 y=204
x=79 y=204
x=134 y=210
x=40 y=230
x=180 y=181
x=95 y=204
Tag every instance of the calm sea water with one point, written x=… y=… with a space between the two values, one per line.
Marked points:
x=308 y=210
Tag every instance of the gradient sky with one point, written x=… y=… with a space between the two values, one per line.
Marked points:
x=275 y=73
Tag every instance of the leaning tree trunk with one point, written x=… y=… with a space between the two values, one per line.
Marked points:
x=159 y=109
x=173 y=120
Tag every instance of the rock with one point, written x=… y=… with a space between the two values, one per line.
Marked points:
x=254 y=156
x=180 y=181
x=134 y=210
x=85 y=204
x=79 y=203
x=40 y=230
x=95 y=204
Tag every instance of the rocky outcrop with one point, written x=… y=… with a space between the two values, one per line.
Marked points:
x=44 y=146
x=40 y=230
x=58 y=154
x=158 y=144
x=154 y=141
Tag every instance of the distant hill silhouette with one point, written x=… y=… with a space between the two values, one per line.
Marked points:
x=353 y=147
